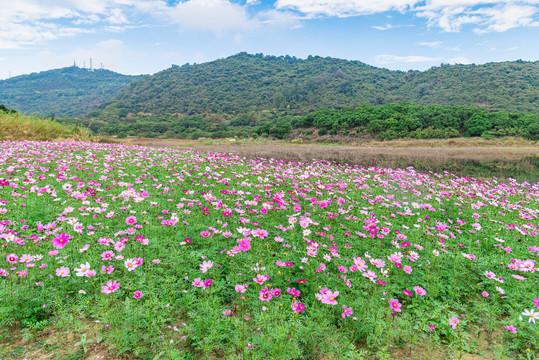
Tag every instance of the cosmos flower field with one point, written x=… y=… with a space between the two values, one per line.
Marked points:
x=190 y=255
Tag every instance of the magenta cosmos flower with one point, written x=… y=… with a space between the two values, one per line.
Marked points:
x=60 y=240
x=137 y=294
x=347 y=312
x=511 y=328
x=110 y=287
x=12 y=258
x=130 y=220
x=297 y=307
x=395 y=305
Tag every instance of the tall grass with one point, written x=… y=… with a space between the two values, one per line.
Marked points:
x=21 y=127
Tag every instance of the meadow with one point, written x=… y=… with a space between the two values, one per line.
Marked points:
x=151 y=253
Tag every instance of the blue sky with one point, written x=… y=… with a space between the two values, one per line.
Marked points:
x=146 y=36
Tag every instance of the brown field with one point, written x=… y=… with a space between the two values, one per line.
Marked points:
x=472 y=157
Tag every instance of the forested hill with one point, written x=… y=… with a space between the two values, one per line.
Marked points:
x=69 y=91
x=244 y=82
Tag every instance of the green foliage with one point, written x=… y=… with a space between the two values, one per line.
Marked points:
x=4 y=109
x=243 y=83
x=69 y=91
x=392 y=121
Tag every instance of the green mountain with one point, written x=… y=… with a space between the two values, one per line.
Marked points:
x=243 y=83
x=71 y=91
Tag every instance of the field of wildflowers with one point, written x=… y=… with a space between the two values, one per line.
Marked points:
x=185 y=255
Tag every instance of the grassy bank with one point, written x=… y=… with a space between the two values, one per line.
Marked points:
x=15 y=126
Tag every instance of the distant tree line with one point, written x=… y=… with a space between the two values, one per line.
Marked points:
x=385 y=122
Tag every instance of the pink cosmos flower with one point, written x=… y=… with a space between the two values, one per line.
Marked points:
x=276 y=292
x=453 y=322
x=107 y=255
x=119 y=246
x=110 y=287
x=518 y=277
x=329 y=297
x=130 y=220
x=22 y=273
x=407 y=269
x=108 y=269
x=395 y=305
x=371 y=275
x=205 y=234
x=360 y=263
x=62 y=271
x=137 y=294
x=227 y=312
x=260 y=279
x=293 y=292
x=197 y=282
x=485 y=294
x=207 y=283
x=347 y=312
x=420 y=291
x=511 y=328
x=205 y=266
x=536 y=303
x=407 y=292
x=240 y=288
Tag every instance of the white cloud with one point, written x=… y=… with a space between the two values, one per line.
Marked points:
x=344 y=8
x=31 y=22
x=450 y=16
x=389 y=26
x=218 y=16
x=392 y=59
x=431 y=44
x=279 y=18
